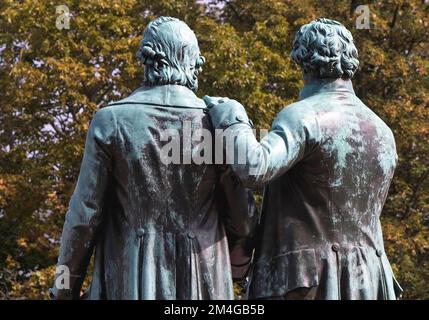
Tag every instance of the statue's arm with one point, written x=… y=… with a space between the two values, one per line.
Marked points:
x=85 y=209
x=240 y=217
x=258 y=163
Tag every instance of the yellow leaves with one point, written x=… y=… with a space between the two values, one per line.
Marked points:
x=8 y=184
x=52 y=196
x=22 y=243
x=373 y=54
x=36 y=287
x=3 y=191
x=11 y=263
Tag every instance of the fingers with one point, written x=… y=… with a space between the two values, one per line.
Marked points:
x=212 y=101
x=209 y=101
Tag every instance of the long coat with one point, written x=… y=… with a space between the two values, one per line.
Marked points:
x=159 y=231
x=327 y=164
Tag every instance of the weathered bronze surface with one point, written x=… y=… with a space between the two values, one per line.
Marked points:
x=326 y=166
x=159 y=231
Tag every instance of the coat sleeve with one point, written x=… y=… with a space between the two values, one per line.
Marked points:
x=85 y=210
x=240 y=218
x=293 y=135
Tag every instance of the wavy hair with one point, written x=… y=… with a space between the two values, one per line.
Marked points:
x=170 y=53
x=325 y=49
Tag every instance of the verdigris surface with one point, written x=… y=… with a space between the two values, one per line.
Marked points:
x=159 y=231
x=326 y=166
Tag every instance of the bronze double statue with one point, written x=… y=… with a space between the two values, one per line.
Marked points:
x=166 y=212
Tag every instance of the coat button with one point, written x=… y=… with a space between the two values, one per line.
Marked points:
x=191 y=235
x=379 y=253
x=335 y=247
x=140 y=232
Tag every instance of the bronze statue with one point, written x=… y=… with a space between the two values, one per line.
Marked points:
x=326 y=166
x=159 y=230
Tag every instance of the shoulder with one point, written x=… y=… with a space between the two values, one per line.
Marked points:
x=298 y=113
x=298 y=119
x=382 y=128
x=120 y=110
x=103 y=124
x=104 y=115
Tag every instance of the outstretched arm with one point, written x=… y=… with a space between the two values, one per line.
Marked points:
x=258 y=163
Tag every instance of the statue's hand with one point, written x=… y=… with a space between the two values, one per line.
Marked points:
x=225 y=112
x=213 y=101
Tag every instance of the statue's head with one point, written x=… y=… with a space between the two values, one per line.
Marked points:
x=324 y=48
x=169 y=50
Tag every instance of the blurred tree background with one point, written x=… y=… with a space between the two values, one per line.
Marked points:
x=52 y=81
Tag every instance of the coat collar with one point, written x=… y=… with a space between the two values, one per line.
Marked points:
x=326 y=85
x=166 y=95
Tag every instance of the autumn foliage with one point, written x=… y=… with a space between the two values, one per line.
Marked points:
x=52 y=81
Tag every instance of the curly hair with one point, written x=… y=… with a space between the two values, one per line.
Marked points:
x=325 y=49
x=169 y=50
